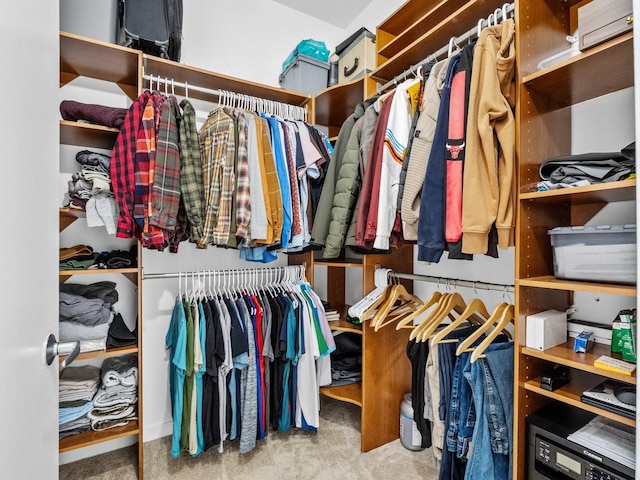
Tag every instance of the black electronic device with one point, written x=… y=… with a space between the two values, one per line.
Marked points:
x=555 y=378
x=614 y=396
x=550 y=455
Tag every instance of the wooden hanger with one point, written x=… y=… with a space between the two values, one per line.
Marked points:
x=505 y=319
x=447 y=303
x=398 y=292
x=406 y=320
x=493 y=319
x=454 y=302
x=474 y=307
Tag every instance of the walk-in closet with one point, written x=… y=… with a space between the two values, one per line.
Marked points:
x=417 y=260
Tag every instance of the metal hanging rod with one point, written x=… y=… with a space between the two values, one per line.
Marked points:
x=454 y=282
x=503 y=12
x=239 y=99
x=231 y=272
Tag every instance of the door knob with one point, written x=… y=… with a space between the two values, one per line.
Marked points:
x=55 y=348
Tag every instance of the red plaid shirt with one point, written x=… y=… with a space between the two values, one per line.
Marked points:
x=122 y=167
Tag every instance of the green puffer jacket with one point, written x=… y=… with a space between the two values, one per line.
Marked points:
x=322 y=218
x=349 y=183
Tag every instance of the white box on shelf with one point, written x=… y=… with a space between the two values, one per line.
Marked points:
x=546 y=329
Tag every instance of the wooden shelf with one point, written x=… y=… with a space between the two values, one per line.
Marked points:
x=344 y=326
x=572 y=81
x=112 y=352
x=623 y=190
x=397 y=22
x=160 y=67
x=87 y=135
x=553 y=283
x=92 y=438
x=463 y=19
x=570 y=394
x=434 y=13
x=99 y=271
x=564 y=355
x=340 y=263
x=86 y=57
x=334 y=104
x=351 y=393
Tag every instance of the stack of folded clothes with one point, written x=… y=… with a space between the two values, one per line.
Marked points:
x=91 y=113
x=90 y=190
x=120 y=335
x=78 y=386
x=114 y=405
x=77 y=257
x=86 y=313
x=82 y=257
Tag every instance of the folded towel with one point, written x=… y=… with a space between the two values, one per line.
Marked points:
x=98 y=114
x=121 y=370
x=111 y=396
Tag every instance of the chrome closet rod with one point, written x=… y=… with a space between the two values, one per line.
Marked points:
x=453 y=282
x=170 y=83
x=234 y=271
x=468 y=35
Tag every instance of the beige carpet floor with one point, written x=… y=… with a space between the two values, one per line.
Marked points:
x=332 y=454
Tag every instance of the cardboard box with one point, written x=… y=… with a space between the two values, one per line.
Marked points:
x=601 y=20
x=583 y=342
x=357 y=55
x=305 y=75
x=604 y=253
x=546 y=329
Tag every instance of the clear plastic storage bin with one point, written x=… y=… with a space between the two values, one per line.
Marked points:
x=599 y=254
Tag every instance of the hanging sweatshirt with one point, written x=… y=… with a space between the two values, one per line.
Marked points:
x=421 y=149
x=489 y=175
x=432 y=201
x=395 y=143
x=455 y=152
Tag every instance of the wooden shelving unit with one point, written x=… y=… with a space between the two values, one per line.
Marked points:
x=431 y=26
x=125 y=67
x=78 y=58
x=386 y=372
x=543 y=120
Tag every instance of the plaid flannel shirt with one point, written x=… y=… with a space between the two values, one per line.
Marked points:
x=191 y=183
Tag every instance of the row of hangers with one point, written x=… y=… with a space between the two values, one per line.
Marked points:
x=200 y=284
x=391 y=302
x=232 y=99
x=452 y=47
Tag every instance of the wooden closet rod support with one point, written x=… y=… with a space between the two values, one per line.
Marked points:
x=454 y=282
x=506 y=11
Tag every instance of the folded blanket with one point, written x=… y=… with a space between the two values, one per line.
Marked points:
x=71 y=331
x=89 y=311
x=120 y=410
x=121 y=370
x=112 y=396
x=98 y=114
x=104 y=290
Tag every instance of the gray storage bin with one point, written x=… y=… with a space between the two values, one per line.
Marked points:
x=90 y=18
x=305 y=75
x=599 y=254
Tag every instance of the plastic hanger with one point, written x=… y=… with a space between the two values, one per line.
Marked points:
x=505 y=319
x=452 y=43
x=474 y=307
